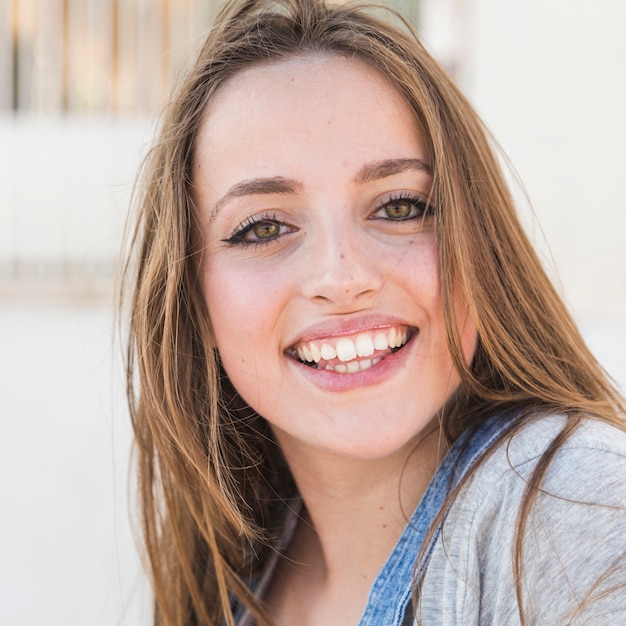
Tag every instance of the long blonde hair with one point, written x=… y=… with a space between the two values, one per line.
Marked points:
x=212 y=481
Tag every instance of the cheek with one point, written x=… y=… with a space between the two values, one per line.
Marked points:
x=233 y=295
x=244 y=306
x=226 y=303
x=423 y=277
x=235 y=327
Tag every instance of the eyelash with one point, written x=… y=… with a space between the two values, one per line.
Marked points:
x=423 y=208
x=238 y=238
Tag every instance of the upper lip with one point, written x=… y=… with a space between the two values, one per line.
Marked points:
x=346 y=326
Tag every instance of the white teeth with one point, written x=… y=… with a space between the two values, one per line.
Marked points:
x=392 y=338
x=364 y=345
x=346 y=351
x=315 y=352
x=380 y=341
x=327 y=352
x=353 y=367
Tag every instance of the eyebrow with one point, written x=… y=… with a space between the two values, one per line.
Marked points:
x=254 y=186
x=285 y=186
x=389 y=167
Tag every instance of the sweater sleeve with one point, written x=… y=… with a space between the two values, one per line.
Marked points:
x=573 y=560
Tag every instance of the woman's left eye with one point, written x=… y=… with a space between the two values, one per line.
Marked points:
x=402 y=208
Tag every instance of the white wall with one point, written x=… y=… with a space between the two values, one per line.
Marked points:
x=66 y=183
x=549 y=78
x=67 y=555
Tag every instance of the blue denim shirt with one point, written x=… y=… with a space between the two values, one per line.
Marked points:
x=574 y=557
x=389 y=601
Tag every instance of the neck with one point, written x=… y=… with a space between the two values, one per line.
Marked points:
x=356 y=509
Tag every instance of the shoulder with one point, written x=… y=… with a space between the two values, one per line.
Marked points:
x=580 y=492
x=590 y=458
x=573 y=541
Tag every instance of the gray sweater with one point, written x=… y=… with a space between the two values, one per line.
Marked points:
x=574 y=545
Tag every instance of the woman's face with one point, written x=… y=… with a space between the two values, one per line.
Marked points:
x=320 y=261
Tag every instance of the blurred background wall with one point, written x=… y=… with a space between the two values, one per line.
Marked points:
x=82 y=83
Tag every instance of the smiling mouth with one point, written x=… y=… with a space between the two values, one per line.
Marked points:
x=354 y=353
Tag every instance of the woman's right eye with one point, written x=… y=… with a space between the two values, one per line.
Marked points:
x=255 y=231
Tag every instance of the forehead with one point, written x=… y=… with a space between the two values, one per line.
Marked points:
x=323 y=73
x=306 y=117
x=307 y=88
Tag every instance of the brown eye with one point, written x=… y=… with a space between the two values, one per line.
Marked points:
x=265 y=230
x=399 y=209
x=259 y=230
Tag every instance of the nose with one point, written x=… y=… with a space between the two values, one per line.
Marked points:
x=342 y=272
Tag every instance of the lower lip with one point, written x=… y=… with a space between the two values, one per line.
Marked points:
x=375 y=375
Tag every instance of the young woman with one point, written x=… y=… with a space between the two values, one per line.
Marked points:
x=356 y=396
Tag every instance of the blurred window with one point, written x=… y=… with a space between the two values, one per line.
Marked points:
x=112 y=56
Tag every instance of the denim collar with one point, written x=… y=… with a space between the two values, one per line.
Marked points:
x=391 y=592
